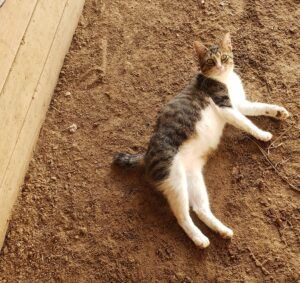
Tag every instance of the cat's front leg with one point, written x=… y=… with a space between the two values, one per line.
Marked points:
x=257 y=109
x=237 y=119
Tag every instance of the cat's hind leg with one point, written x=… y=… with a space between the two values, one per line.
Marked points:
x=176 y=191
x=257 y=109
x=200 y=203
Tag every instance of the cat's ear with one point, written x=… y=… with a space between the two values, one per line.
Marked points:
x=226 y=42
x=200 y=49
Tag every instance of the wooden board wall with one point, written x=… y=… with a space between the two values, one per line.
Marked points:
x=28 y=87
x=14 y=19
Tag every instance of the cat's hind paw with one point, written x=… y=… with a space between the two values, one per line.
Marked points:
x=201 y=242
x=282 y=113
x=226 y=233
x=264 y=136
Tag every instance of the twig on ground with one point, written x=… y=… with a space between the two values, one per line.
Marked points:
x=69 y=172
x=272 y=145
x=283 y=177
x=257 y=262
x=267 y=85
x=282 y=162
x=55 y=109
x=104 y=56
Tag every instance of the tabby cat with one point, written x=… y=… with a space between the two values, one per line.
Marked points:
x=189 y=129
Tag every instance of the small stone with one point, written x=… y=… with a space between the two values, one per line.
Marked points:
x=53 y=178
x=129 y=66
x=83 y=230
x=73 y=128
x=235 y=171
x=68 y=94
x=5 y=250
x=131 y=259
x=264 y=202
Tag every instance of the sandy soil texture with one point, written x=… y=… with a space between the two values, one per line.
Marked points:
x=77 y=220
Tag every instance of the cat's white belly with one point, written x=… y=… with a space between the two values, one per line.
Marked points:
x=208 y=133
x=235 y=89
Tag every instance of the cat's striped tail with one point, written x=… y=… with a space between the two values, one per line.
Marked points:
x=126 y=160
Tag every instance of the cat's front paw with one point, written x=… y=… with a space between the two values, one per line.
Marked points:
x=282 y=113
x=264 y=136
x=201 y=241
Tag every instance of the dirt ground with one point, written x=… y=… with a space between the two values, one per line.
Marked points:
x=78 y=220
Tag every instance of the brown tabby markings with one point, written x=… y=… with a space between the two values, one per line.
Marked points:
x=177 y=122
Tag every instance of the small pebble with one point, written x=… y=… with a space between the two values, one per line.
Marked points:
x=83 y=230
x=5 y=250
x=73 y=128
x=67 y=94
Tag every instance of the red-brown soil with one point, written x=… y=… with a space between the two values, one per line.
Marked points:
x=77 y=220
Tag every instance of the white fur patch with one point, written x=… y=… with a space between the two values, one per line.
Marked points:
x=235 y=89
x=208 y=133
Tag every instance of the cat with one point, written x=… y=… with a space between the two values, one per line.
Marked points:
x=189 y=129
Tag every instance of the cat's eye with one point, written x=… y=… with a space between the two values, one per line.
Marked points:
x=210 y=62
x=224 y=58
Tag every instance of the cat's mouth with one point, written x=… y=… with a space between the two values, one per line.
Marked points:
x=219 y=71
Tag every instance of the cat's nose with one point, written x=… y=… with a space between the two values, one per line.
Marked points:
x=220 y=67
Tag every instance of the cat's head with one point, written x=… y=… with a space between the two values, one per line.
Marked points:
x=215 y=61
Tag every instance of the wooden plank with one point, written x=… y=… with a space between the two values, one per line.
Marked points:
x=19 y=159
x=14 y=18
x=25 y=74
